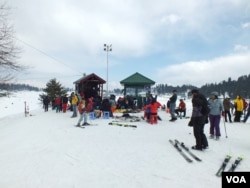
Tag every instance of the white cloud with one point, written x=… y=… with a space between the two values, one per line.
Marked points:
x=141 y=32
x=245 y=25
x=199 y=73
x=239 y=47
x=170 y=19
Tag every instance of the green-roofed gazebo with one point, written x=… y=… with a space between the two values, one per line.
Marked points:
x=135 y=83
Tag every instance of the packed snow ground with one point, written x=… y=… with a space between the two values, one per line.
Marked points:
x=46 y=150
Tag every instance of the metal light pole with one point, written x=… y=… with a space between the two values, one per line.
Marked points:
x=107 y=48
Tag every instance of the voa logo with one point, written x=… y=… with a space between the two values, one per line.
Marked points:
x=236 y=179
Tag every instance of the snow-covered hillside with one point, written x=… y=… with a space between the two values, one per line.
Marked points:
x=46 y=150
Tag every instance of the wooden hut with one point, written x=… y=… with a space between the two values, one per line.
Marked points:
x=90 y=85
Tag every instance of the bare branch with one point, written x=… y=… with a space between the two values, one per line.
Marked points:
x=8 y=50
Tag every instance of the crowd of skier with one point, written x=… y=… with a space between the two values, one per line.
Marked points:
x=204 y=110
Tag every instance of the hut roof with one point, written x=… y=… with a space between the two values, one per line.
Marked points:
x=137 y=79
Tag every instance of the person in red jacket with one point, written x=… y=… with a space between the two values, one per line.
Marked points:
x=154 y=105
x=84 y=107
x=58 y=104
x=181 y=109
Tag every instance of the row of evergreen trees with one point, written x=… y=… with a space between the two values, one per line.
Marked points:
x=18 y=87
x=231 y=88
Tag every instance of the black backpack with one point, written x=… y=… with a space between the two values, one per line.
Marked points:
x=205 y=106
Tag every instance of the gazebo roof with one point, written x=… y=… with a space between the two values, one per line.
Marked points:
x=91 y=77
x=137 y=79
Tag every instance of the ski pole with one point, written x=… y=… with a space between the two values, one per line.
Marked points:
x=225 y=126
x=25 y=114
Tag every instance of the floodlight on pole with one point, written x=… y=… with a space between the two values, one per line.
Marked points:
x=107 y=48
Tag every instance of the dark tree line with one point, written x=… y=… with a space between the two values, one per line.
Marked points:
x=165 y=88
x=241 y=86
x=18 y=87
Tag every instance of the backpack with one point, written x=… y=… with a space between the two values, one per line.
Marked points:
x=205 y=106
x=205 y=109
x=245 y=104
x=168 y=104
x=89 y=105
x=81 y=106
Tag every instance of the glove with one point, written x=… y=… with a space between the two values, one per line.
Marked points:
x=167 y=110
x=223 y=113
x=191 y=123
x=206 y=120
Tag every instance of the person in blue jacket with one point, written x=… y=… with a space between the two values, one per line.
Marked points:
x=216 y=109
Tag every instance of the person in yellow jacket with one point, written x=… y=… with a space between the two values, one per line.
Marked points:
x=74 y=102
x=239 y=107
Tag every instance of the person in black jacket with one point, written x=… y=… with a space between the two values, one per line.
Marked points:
x=65 y=101
x=198 y=120
x=172 y=105
x=248 y=113
x=106 y=106
x=46 y=102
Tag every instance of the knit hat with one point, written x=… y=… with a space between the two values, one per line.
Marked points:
x=195 y=91
x=215 y=93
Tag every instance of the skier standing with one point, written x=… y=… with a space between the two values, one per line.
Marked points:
x=74 y=102
x=173 y=105
x=84 y=107
x=198 y=119
x=46 y=102
x=216 y=109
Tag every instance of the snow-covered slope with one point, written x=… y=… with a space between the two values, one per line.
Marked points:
x=45 y=150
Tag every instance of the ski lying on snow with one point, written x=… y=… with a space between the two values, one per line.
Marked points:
x=235 y=164
x=122 y=124
x=187 y=149
x=129 y=119
x=180 y=151
x=223 y=165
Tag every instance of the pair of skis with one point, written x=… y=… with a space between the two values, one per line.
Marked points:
x=179 y=146
x=225 y=163
x=122 y=124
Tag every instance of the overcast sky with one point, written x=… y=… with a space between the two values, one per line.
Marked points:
x=169 y=41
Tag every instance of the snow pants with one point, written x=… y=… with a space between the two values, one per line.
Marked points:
x=83 y=117
x=74 y=110
x=198 y=129
x=172 y=110
x=215 y=124
x=64 y=107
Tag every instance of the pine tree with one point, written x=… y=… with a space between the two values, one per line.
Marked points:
x=53 y=89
